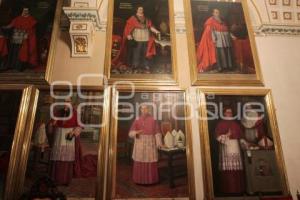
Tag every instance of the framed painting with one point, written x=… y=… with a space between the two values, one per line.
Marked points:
x=241 y=148
x=15 y=101
x=221 y=43
x=141 y=42
x=28 y=32
x=151 y=144
x=64 y=151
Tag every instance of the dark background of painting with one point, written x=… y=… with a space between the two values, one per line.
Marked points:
x=9 y=108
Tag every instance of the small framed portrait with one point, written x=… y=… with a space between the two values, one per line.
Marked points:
x=64 y=150
x=221 y=43
x=27 y=39
x=141 y=42
x=241 y=148
x=152 y=149
x=14 y=100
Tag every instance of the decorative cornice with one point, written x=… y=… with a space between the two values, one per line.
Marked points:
x=84 y=14
x=264 y=30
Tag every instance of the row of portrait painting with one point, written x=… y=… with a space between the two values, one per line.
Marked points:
x=115 y=143
x=140 y=41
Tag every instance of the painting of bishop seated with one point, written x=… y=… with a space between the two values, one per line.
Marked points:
x=141 y=38
x=25 y=35
x=221 y=38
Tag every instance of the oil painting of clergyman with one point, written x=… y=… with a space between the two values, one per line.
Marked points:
x=64 y=144
x=243 y=158
x=25 y=35
x=147 y=140
x=63 y=148
x=228 y=134
x=141 y=40
x=150 y=147
x=222 y=42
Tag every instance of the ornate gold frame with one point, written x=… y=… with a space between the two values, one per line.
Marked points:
x=27 y=103
x=148 y=79
x=221 y=79
x=204 y=134
x=26 y=140
x=112 y=152
x=38 y=78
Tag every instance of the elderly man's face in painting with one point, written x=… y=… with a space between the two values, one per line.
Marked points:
x=216 y=13
x=25 y=12
x=144 y=110
x=140 y=11
x=228 y=113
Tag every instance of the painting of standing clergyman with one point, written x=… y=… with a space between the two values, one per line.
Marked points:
x=25 y=35
x=244 y=161
x=141 y=37
x=221 y=36
x=151 y=147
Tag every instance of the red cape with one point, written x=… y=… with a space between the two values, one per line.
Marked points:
x=28 y=51
x=206 y=50
x=223 y=127
x=131 y=24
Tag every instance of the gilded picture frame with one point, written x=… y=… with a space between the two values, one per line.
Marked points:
x=144 y=78
x=39 y=76
x=210 y=187
x=27 y=103
x=110 y=192
x=101 y=149
x=215 y=74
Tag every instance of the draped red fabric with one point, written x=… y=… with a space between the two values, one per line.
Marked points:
x=85 y=166
x=3 y=47
x=28 y=51
x=206 y=50
x=242 y=54
x=224 y=126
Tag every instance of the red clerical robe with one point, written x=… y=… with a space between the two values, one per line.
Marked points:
x=145 y=154
x=131 y=24
x=231 y=179
x=28 y=50
x=3 y=47
x=206 y=50
x=63 y=151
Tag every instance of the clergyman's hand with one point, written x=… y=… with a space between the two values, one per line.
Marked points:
x=129 y=37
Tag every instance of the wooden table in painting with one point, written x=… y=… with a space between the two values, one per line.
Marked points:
x=173 y=155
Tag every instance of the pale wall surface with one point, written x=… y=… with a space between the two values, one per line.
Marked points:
x=280 y=63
